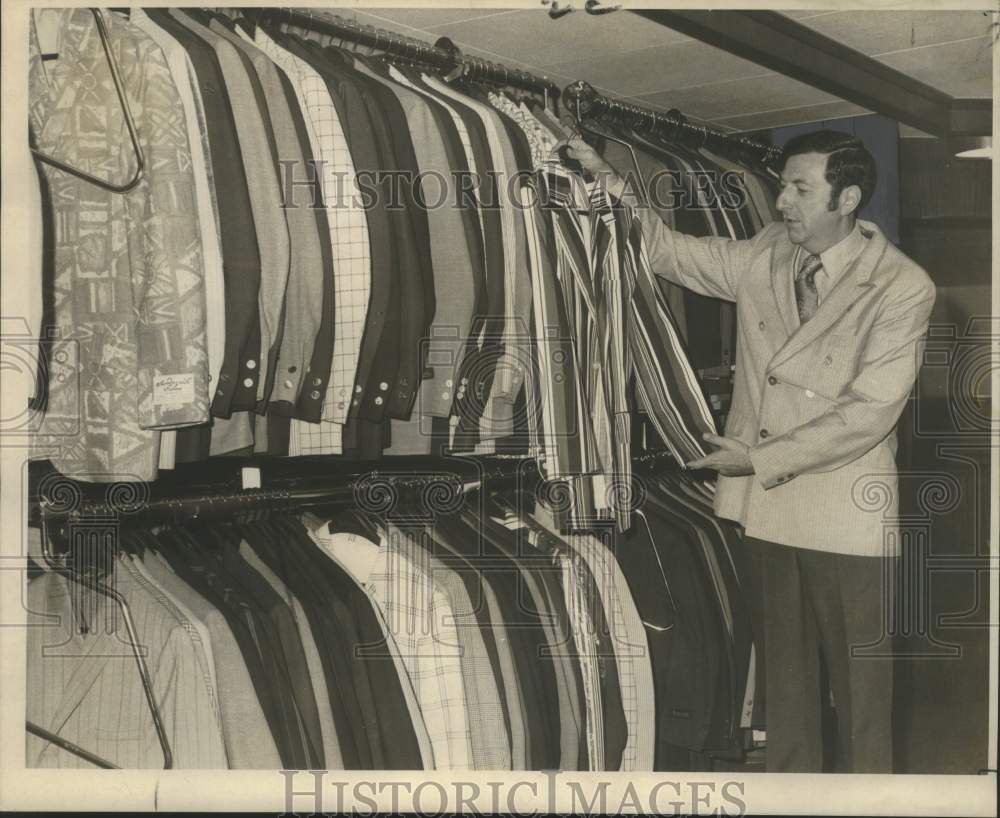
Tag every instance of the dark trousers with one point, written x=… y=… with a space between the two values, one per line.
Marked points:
x=819 y=604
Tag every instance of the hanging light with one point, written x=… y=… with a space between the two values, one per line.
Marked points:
x=975 y=147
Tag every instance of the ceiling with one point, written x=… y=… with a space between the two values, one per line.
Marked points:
x=630 y=57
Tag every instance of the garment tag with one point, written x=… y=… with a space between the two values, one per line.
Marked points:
x=173 y=390
x=250 y=477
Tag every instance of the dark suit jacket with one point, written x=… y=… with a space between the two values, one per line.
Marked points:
x=416 y=274
x=292 y=658
x=385 y=714
x=333 y=628
x=672 y=598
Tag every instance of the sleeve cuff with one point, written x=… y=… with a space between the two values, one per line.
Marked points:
x=768 y=468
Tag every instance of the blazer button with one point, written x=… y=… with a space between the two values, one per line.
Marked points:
x=772 y=380
x=764 y=433
x=761 y=325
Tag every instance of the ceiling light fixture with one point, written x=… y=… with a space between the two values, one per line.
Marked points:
x=976 y=147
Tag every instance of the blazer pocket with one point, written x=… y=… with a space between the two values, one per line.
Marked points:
x=834 y=365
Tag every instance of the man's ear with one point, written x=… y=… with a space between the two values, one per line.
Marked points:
x=850 y=199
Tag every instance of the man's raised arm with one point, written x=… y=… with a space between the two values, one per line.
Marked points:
x=709 y=266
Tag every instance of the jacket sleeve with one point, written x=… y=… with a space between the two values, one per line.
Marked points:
x=710 y=266
x=168 y=274
x=868 y=408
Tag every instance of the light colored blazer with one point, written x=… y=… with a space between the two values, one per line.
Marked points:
x=817 y=404
x=86 y=687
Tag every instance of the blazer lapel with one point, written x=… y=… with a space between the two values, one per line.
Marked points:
x=781 y=271
x=843 y=295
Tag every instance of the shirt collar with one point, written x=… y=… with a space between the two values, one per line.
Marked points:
x=839 y=257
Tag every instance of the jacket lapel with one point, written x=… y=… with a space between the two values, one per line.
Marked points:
x=781 y=270
x=843 y=295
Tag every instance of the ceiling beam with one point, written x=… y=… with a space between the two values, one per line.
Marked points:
x=781 y=44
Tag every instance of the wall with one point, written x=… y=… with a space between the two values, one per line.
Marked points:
x=945 y=226
x=881 y=135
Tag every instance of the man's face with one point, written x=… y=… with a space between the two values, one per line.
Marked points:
x=804 y=202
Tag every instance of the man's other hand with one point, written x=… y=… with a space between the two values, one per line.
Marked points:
x=731 y=459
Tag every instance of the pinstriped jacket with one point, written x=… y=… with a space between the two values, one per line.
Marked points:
x=818 y=403
x=87 y=689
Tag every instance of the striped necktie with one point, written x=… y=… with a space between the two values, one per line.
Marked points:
x=806 y=295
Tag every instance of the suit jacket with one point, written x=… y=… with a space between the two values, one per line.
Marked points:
x=493 y=621
x=290 y=659
x=237 y=231
x=456 y=248
x=351 y=277
x=490 y=740
x=86 y=687
x=256 y=144
x=535 y=679
x=328 y=728
x=817 y=404
x=303 y=311
x=194 y=555
x=391 y=104
x=387 y=727
x=249 y=742
x=675 y=604
x=129 y=300
x=335 y=631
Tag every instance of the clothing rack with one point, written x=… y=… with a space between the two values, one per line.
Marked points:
x=221 y=489
x=439 y=56
x=581 y=99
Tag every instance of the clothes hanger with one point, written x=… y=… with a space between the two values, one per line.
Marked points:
x=582 y=129
x=79 y=578
x=69 y=746
x=140 y=161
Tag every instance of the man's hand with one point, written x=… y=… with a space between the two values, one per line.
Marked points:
x=732 y=458
x=590 y=159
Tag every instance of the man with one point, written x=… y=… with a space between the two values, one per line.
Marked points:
x=830 y=320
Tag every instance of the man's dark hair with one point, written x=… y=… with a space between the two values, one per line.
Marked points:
x=848 y=161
